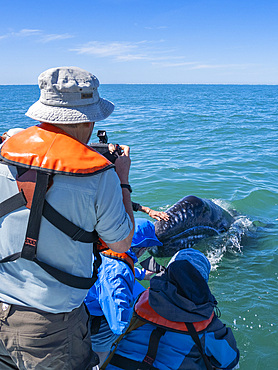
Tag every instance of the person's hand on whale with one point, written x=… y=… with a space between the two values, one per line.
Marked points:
x=157 y=215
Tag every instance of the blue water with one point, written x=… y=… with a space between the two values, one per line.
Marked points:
x=217 y=142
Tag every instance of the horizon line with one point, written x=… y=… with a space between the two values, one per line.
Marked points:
x=167 y=83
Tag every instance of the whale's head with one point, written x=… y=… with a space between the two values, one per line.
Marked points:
x=190 y=220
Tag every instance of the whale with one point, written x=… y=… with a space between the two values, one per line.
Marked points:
x=190 y=220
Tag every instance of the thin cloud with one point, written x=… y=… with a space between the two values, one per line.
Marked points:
x=127 y=51
x=22 y=33
x=150 y=51
x=130 y=57
x=113 y=49
x=198 y=65
x=26 y=32
x=44 y=38
x=174 y=64
x=155 y=28
x=217 y=66
x=54 y=37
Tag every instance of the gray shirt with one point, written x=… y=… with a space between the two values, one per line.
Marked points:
x=91 y=202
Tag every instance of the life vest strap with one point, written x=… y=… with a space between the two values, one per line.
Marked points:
x=66 y=278
x=155 y=337
x=193 y=333
x=11 y=257
x=38 y=208
x=30 y=246
x=128 y=364
x=67 y=227
x=73 y=280
x=147 y=363
x=135 y=323
x=29 y=250
x=11 y=204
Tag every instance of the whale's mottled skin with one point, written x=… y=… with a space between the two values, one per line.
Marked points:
x=191 y=219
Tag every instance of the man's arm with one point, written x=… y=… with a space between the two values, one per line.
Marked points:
x=122 y=165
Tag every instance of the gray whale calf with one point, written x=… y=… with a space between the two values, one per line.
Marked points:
x=191 y=219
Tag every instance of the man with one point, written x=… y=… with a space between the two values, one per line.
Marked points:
x=175 y=326
x=57 y=197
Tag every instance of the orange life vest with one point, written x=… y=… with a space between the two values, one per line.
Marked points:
x=48 y=148
x=38 y=152
x=121 y=257
x=147 y=313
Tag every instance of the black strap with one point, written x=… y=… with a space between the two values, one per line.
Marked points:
x=155 y=337
x=72 y=280
x=134 y=323
x=67 y=227
x=66 y=278
x=147 y=363
x=11 y=257
x=11 y=204
x=193 y=333
x=126 y=186
x=128 y=364
x=29 y=250
x=21 y=170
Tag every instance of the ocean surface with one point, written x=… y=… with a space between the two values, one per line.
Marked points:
x=213 y=141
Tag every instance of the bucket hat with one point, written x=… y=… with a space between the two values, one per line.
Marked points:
x=196 y=259
x=69 y=95
x=144 y=234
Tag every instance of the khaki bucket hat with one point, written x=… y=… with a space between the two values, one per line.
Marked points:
x=69 y=95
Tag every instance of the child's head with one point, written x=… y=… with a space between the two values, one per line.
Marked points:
x=196 y=258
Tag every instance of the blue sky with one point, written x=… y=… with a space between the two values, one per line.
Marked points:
x=141 y=41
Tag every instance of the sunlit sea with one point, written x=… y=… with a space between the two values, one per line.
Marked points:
x=213 y=141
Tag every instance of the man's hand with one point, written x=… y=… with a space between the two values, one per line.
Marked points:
x=122 y=164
